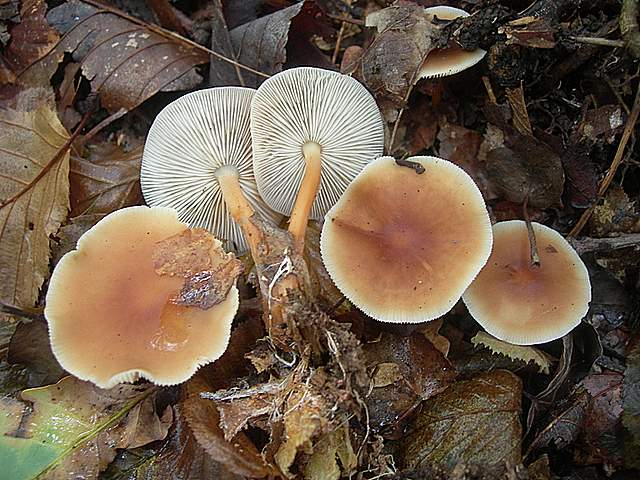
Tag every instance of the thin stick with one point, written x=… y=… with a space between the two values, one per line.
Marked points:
x=339 y=39
x=617 y=160
x=603 y=42
x=397 y=122
x=533 y=245
x=168 y=33
x=353 y=21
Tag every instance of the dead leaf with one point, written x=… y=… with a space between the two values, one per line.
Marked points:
x=69 y=234
x=323 y=463
x=30 y=346
x=405 y=371
x=125 y=62
x=533 y=32
x=431 y=332
x=261 y=43
x=616 y=214
x=107 y=180
x=32 y=38
x=34 y=193
x=631 y=405
x=222 y=73
x=582 y=175
x=327 y=294
x=473 y=422
x=604 y=121
x=388 y=67
x=73 y=426
x=515 y=352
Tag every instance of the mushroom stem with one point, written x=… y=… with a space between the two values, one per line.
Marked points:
x=237 y=204
x=533 y=246
x=306 y=194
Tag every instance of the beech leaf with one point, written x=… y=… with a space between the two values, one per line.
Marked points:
x=34 y=193
x=74 y=426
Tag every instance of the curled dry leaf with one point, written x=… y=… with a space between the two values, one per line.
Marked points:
x=125 y=62
x=197 y=256
x=34 y=193
x=107 y=180
x=515 y=352
x=75 y=426
x=473 y=422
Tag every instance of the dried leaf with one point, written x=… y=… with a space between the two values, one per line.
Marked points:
x=323 y=463
x=30 y=346
x=631 y=405
x=34 y=193
x=125 y=62
x=106 y=181
x=515 y=352
x=222 y=73
x=74 y=426
x=69 y=234
x=32 y=38
x=602 y=121
x=533 y=32
x=617 y=214
x=431 y=332
x=405 y=371
x=261 y=43
x=388 y=67
x=473 y=422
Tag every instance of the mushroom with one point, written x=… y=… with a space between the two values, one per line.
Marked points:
x=521 y=303
x=403 y=244
x=442 y=62
x=197 y=159
x=313 y=130
x=112 y=318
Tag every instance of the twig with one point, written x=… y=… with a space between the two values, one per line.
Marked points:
x=107 y=121
x=585 y=245
x=343 y=25
x=489 y=89
x=603 y=42
x=354 y=21
x=533 y=245
x=168 y=33
x=629 y=26
x=397 y=122
x=617 y=160
x=19 y=312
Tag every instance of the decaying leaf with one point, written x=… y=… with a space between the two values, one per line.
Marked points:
x=125 y=62
x=389 y=66
x=106 y=180
x=515 y=352
x=405 y=371
x=431 y=331
x=473 y=422
x=631 y=406
x=323 y=463
x=73 y=426
x=34 y=193
x=197 y=256
x=617 y=214
x=30 y=346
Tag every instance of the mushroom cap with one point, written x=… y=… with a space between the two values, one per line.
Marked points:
x=403 y=246
x=189 y=140
x=108 y=312
x=442 y=62
x=304 y=105
x=524 y=304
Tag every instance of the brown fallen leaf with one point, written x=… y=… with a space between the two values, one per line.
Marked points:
x=106 y=180
x=473 y=422
x=125 y=62
x=222 y=73
x=31 y=38
x=631 y=404
x=616 y=214
x=405 y=371
x=197 y=256
x=34 y=193
x=323 y=463
x=523 y=353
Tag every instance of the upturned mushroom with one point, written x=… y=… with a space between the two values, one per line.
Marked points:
x=313 y=130
x=197 y=159
x=442 y=62
x=523 y=303
x=407 y=238
x=142 y=295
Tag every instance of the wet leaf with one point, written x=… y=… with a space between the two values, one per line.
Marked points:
x=515 y=352
x=125 y=62
x=473 y=422
x=107 y=180
x=405 y=371
x=34 y=193
x=388 y=67
x=73 y=426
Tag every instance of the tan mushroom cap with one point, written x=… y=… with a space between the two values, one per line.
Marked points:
x=524 y=304
x=403 y=246
x=448 y=61
x=108 y=311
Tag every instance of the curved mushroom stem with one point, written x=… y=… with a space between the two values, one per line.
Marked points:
x=237 y=204
x=307 y=193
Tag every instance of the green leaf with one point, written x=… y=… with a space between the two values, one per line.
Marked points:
x=73 y=426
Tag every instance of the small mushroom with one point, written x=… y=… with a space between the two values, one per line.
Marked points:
x=521 y=303
x=197 y=159
x=313 y=131
x=442 y=62
x=406 y=239
x=112 y=317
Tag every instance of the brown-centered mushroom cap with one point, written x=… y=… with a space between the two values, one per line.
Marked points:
x=109 y=315
x=524 y=304
x=448 y=61
x=404 y=246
